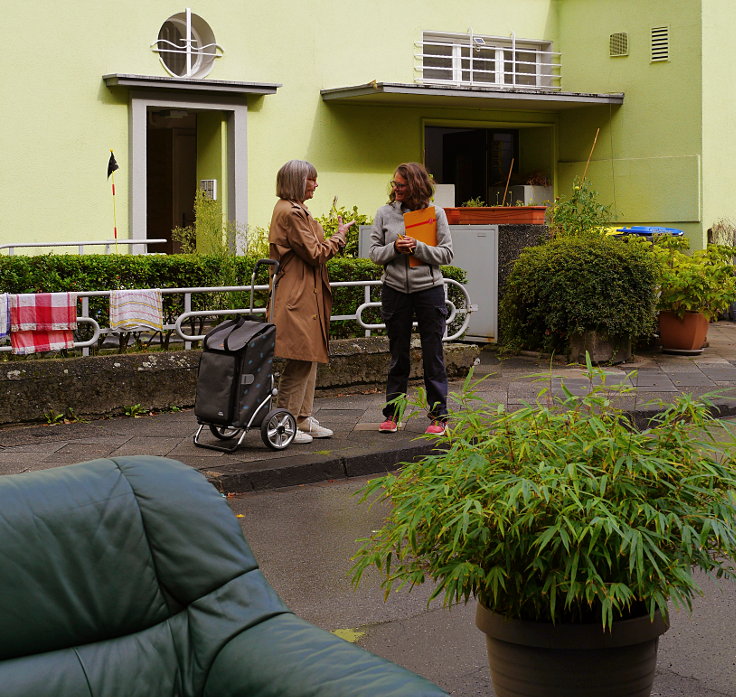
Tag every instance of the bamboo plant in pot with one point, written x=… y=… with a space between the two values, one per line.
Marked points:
x=693 y=290
x=572 y=529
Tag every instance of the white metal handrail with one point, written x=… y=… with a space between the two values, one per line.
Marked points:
x=80 y=245
x=77 y=344
x=187 y=293
x=357 y=316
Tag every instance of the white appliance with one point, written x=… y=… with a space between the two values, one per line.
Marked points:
x=476 y=251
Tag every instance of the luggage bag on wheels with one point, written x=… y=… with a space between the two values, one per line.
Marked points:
x=235 y=383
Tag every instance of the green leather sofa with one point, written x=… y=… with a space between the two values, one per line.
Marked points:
x=130 y=577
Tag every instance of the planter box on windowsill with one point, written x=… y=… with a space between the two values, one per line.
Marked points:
x=496 y=215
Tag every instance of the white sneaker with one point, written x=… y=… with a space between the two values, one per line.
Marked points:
x=301 y=437
x=311 y=427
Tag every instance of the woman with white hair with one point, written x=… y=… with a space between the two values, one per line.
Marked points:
x=303 y=300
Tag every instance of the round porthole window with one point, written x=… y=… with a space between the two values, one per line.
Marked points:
x=186 y=45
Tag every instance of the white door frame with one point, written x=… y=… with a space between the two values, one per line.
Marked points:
x=237 y=151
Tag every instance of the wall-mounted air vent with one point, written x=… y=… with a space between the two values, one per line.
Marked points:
x=618 y=44
x=660 y=44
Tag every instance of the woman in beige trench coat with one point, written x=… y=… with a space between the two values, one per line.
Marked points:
x=303 y=299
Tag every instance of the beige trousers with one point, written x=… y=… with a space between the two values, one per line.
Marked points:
x=296 y=388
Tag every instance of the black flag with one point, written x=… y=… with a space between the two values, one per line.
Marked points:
x=112 y=165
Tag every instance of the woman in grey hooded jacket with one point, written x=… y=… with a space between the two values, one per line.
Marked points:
x=412 y=292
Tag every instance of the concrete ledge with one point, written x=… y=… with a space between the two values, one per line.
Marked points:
x=98 y=386
x=306 y=468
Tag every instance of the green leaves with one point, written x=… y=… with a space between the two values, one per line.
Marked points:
x=575 y=284
x=561 y=511
x=702 y=281
x=580 y=213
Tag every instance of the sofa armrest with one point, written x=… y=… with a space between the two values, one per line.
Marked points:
x=286 y=656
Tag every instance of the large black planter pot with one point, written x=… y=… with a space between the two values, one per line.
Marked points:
x=534 y=659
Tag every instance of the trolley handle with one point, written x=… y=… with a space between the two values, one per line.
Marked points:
x=272 y=292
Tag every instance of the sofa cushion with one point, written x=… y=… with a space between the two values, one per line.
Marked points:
x=112 y=547
x=67 y=538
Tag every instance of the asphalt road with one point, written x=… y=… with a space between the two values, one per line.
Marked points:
x=304 y=537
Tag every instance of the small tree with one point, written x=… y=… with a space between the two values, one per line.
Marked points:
x=579 y=214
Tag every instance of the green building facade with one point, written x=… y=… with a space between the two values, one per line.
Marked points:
x=221 y=94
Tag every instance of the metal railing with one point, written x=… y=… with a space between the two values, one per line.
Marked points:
x=487 y=61
x=80 y=245
x=357 y=316
x=459 y=313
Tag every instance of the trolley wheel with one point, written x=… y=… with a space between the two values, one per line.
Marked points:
x=224 y=432
x=278 y=429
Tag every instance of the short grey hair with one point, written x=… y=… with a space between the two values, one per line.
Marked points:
x=291 y=180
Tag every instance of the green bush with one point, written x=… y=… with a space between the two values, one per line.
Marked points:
x=573 y=284
x=330 y=223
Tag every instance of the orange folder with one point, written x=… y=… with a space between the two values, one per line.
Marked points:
x=422 y=226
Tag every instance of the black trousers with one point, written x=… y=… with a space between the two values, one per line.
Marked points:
x=429 y=309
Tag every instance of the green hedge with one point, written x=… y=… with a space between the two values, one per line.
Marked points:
x=89 y=272
x=574 y=284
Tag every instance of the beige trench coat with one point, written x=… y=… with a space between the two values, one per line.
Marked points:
x=303 y=296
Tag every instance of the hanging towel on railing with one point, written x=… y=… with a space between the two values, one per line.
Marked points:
x=4 y=315
x=136 y=309
x=42 y=321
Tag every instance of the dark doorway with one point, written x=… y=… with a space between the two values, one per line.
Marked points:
x=473 y=159
x=171 y=171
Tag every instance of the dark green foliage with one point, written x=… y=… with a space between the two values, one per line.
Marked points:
x=574 y=284
x=561 y=511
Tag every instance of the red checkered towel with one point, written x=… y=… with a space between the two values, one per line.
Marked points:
x=42 y=321
x=43 y=312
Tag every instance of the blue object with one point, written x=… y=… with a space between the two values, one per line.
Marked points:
x=650 y=230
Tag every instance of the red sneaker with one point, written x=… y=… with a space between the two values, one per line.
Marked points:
x=436 y=428
x=389 y=426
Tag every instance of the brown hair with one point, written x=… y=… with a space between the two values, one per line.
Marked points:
x=419 y=185
x=291 y=180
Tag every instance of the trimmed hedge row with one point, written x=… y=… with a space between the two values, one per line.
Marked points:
x=573 y=284
x=90 y=272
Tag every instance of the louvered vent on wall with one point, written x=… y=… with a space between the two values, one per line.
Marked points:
x=618 y=44
x=660 y=44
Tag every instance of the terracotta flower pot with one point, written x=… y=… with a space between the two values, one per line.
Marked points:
x=684 y=335
x=496 y=215
x=537 y=659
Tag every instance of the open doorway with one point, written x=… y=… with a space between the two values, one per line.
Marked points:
x=475 y=160
x=171 y=173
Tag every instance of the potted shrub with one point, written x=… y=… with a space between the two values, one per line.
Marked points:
x=475 y=212
x=570 y=528
x=693 y=290
x=580 y=293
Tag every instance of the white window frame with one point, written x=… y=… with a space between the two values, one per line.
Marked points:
x=499 y=50
x=197 y=46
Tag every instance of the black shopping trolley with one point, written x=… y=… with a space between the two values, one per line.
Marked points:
x=235 y=381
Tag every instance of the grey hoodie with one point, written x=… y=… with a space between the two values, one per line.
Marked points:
x=387 y=226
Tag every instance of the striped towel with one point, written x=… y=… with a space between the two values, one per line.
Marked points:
x=42 y=322
x=135 y=309
x=4 y=315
